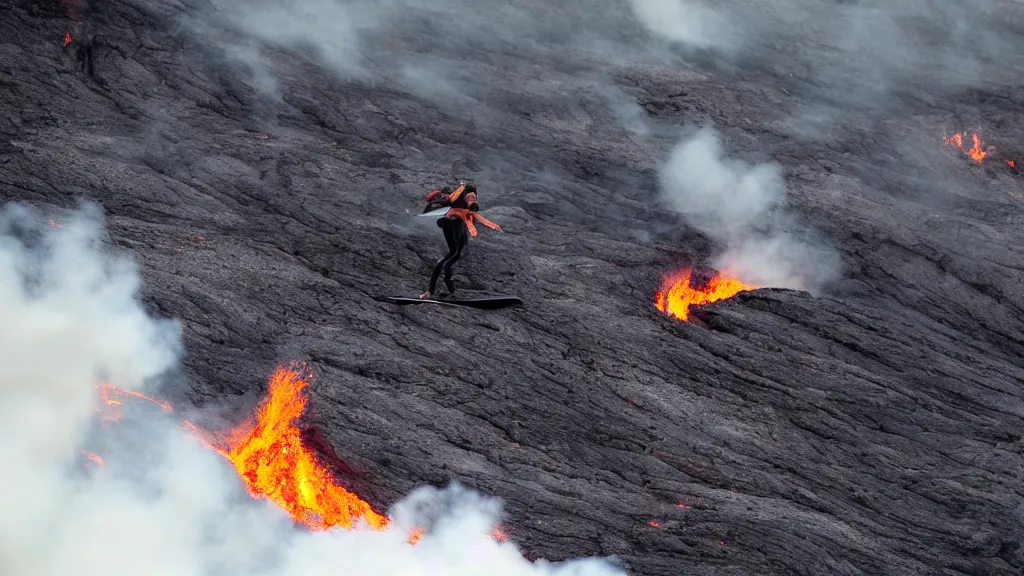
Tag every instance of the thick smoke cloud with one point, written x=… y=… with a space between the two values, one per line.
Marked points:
x=72 y=318
x=743 y=207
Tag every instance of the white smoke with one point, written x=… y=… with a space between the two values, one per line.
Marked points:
x=331 y=29
x=742 y=206
x=685 y=22
x=72 y=318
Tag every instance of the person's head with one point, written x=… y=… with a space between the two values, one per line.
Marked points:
x=469 y=193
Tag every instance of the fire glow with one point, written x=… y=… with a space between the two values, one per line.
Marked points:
x=94 y=458
x=975 y=151
x=112 y=396
x=677 y=295
x=269 y=456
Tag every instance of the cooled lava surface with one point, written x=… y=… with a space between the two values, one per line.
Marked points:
x=269 y=190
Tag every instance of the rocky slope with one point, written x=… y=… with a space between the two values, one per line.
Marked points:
x=874 y=427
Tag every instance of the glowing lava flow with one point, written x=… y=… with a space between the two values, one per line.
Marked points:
x=67 y=38
x=975 y=151
x=676 y=295
x=273 y=462
x=95 y=459
x=111 y=395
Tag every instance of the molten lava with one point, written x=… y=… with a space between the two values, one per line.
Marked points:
x=676 y=295
x=270 y=457
x=94 y=458
x=111 y=395
x=67 y=38
x=975 y=151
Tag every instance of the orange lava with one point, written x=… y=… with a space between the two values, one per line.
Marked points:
x=676 y=295
x=268 y=454
x=111 y=395
x=93 y=457
x=975 y=151
x=67 y=38
x=654 y=524
x=1011 y=163
x=270 y=457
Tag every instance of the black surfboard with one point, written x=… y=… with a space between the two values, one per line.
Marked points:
x=481 y=302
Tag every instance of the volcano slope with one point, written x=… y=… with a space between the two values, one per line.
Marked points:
x=267 y=189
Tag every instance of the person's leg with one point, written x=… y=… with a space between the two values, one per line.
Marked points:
x=448 y=282
x=435 y=275
x=461 y=238
x=449 y=238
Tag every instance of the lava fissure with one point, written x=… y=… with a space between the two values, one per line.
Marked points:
x=677 y=295
x=275 y=460
x=976 y=152
x=271 y=458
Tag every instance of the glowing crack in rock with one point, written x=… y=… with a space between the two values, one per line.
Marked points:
x=274 y=464
x=975 y=151
x=676 y=295
x=269 y=456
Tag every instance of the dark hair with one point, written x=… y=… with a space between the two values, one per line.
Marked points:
x=470 y=186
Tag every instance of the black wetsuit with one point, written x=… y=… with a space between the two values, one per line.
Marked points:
x=456 y=235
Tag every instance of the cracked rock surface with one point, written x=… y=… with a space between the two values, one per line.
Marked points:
x=874 y=428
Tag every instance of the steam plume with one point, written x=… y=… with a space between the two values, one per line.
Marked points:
x=742 y=206
x=685 y=22
x=72 y=318
x=331 y=29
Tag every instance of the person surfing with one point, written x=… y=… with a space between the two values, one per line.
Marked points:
x=458 y=224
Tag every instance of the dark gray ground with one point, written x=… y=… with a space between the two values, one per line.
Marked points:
x=873 y=429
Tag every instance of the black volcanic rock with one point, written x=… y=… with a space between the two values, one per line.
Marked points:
x=875 y=428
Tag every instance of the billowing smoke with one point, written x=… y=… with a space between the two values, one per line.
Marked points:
x=72 y=318
x=742 y=206
x=330 y=29
x=686 y=22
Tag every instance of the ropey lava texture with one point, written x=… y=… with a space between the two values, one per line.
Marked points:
x=269 y=194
